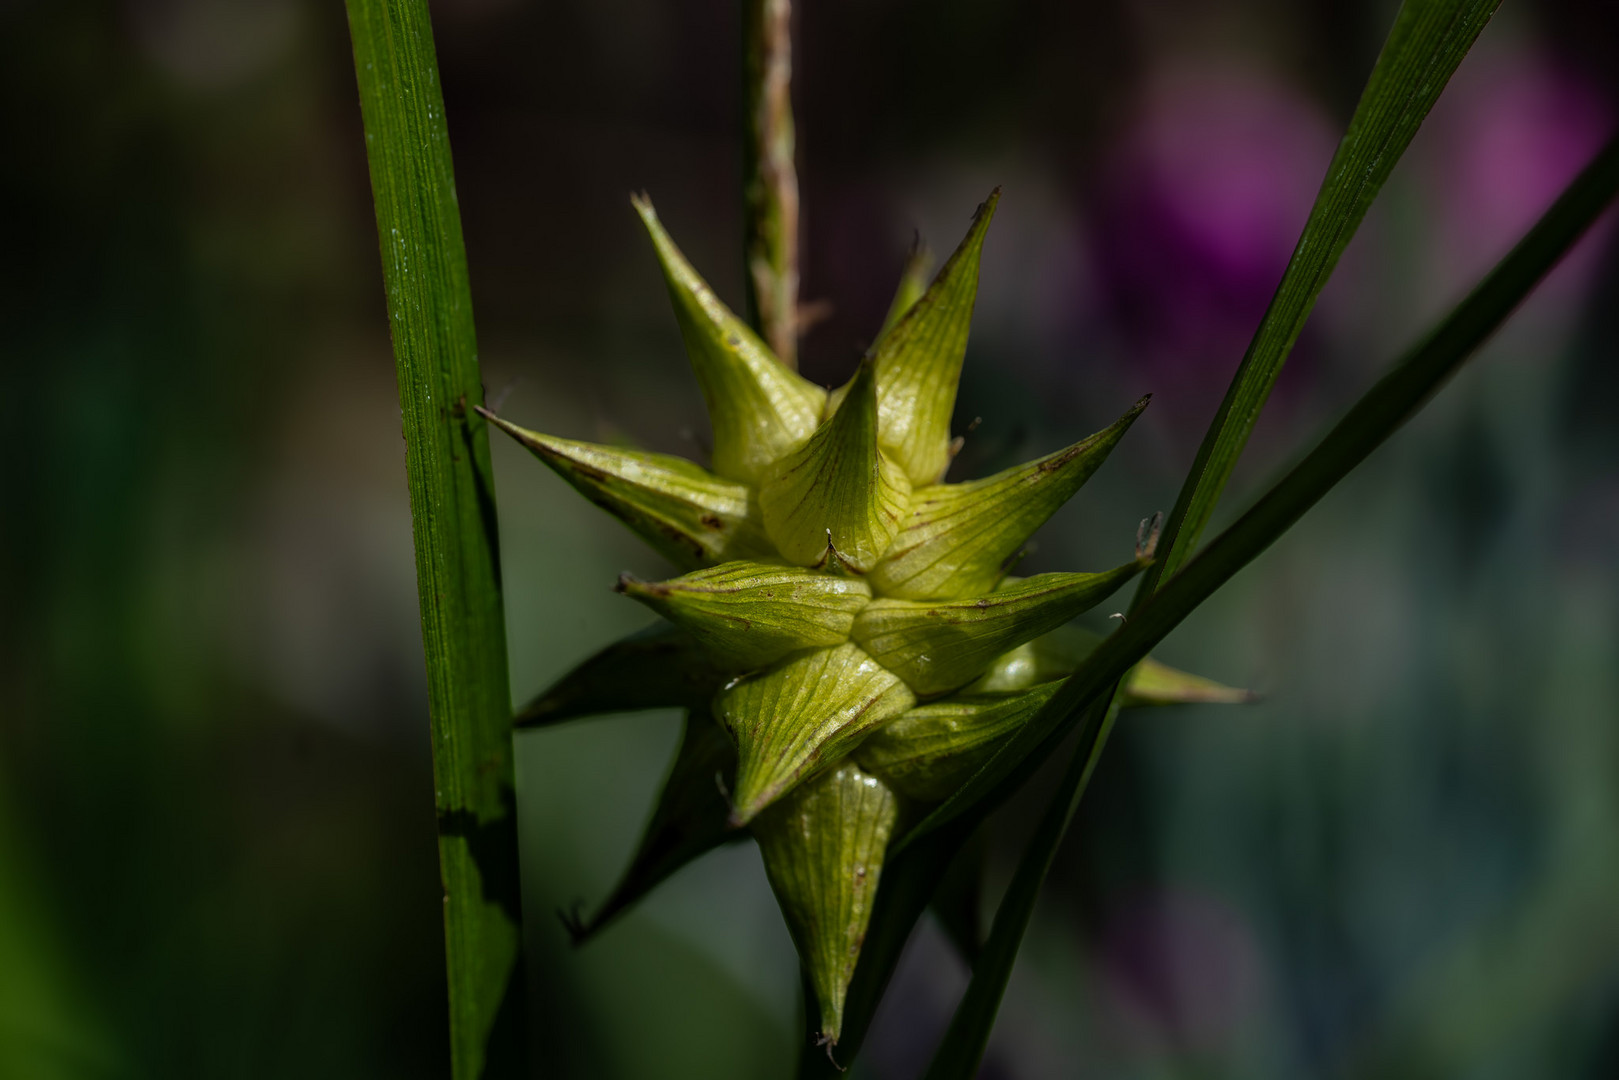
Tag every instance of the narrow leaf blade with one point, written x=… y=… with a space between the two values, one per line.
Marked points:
x=452 y=503
x=958 y=903
x=962 y=1047
x=1423 y=50
x=919 y=360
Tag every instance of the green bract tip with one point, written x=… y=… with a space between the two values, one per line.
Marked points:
x=759 y=408
x=919 y=360
x=689 y=515
x=837 y=496
x=823 y=849
x=958 y=538
x=802 y=716
x=748 y=614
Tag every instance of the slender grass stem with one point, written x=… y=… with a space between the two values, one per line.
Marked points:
x=452 y=501
x=1425 y=46
x=770 y=180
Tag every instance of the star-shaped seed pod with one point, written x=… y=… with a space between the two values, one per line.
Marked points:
x=844 y=638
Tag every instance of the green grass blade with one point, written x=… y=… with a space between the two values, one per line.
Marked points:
x=1428 y=41
x=964 y=1042
x=452 y=505
x=1381 y=412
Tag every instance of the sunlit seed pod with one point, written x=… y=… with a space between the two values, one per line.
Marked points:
x=823 y=847
x=836 y=496
x=1058 y=654
x=748 y=614
x=927 y=752
x=919 y=360
x=937 y=647
x=812 y=510
x=759 y=408
x=958 y=538
x=801 y=716
x=659 y=667
x=688 y=514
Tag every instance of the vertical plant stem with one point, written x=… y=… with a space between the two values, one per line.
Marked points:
x=452 y=502
x=769 y=179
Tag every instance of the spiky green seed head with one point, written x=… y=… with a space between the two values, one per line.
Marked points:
x=823 y=847
x=837 y=590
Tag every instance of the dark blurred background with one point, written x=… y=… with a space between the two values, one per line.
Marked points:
x=216 y=836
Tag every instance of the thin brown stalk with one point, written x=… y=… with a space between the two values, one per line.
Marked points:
x=770 y=181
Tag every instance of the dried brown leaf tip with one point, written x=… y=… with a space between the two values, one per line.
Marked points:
x=841 y=613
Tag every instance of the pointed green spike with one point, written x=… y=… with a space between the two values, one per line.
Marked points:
x=1058 y=654
x=1152 y=683
x=692 y=517
x=926 y=753
x=823 y=848
x=801 y=716
x=750 y=614
x=837 y=494
x=913 y=282
x=688 y=820
x=937 y=647
x=958 y=537
x=760 y=409
x=1050 y=656
x=659 y=667
x=919 y=360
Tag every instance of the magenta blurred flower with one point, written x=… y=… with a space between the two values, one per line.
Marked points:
x=1511 y=132
x=1180 y=969
x=1200 y=207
